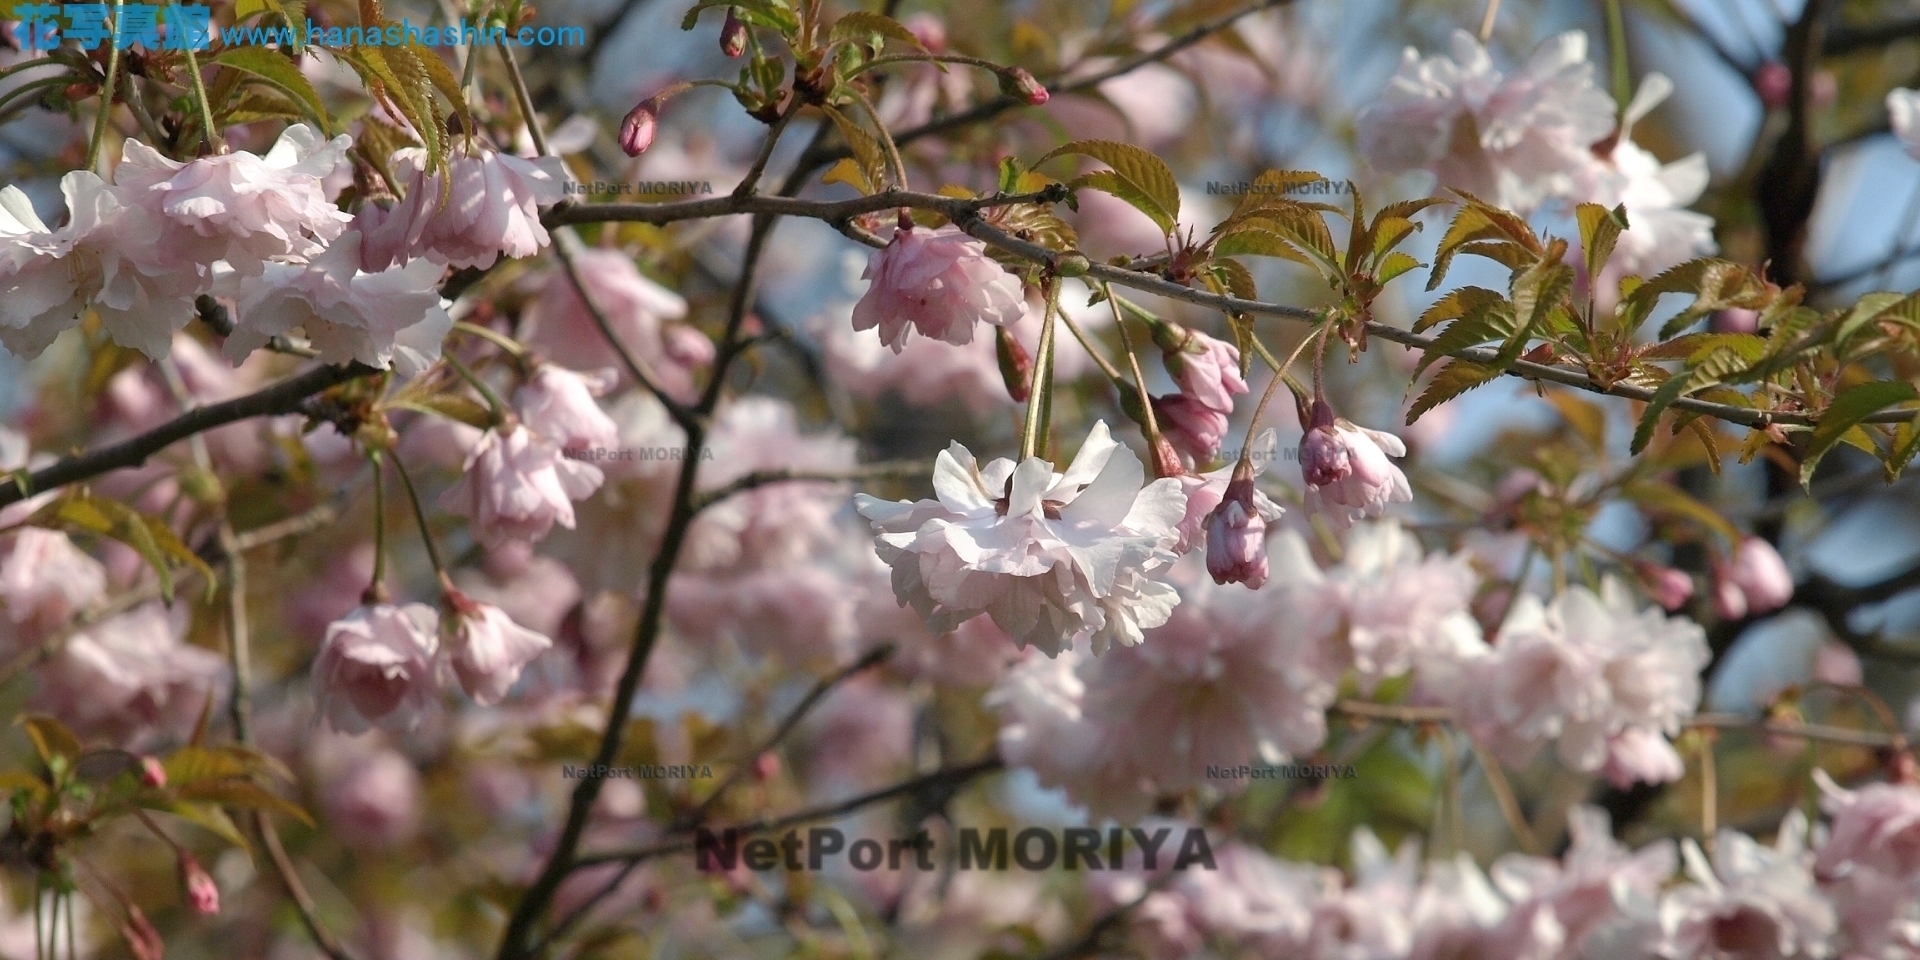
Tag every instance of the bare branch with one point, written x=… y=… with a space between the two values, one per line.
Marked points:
x=884 y=469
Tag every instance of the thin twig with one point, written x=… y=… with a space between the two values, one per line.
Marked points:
x=884 y=469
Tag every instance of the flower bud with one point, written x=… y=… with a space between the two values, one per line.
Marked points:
x=1773 y=81
x=1237 y=534
x=1072 y=265
x=143 y=941
x=637 y=130
x=1324 y=457
x=1018 y=83
x=733 y=35
x=152 y=773
x=202 y=893
x=1016 y=365
x=1668 y=587
x=766 y=766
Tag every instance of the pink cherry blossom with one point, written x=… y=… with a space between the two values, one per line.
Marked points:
x=488 y=650
x=1236 y=535
x=1207 y=370
x=130 y=678
x=516 y=486
x=376 y=667
x=346 y=313
x=1512 y=139
x=559 y=324
x=1876 y=827
x=1661 y=232
x=1347 y=473
x=1755 y=580
x=45 y=580
x=938 y=282
x=1750 y=901
x=1052 y=557
x=240 y=208
x=492 y=209
x=775 y=524
x=1195 y=429
x=535 y=592
x=370 y=794
x=558 y=404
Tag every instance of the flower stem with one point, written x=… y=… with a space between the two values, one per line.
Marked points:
x=525 y=99
x=1487 y=17
x=1106 y=366
x=494 y=404
x=106 y=95
x=200 y=100
x=1279 y=376
x=886 y=140
x=513 y=347
x=1040 y=404
x=1139 y=379
x=1617 y=44
x=420 y=517
x=379 y=585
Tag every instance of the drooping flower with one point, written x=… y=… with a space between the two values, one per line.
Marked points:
x=347 y=314
x=1237 y=534
x=1051 y=557
x=1195 y=429
x=492 y=209
x=1513 y=140
x=129 y=678
x=1206 y=369
x=489 y=650
x=558 y=404
x=938 y=282
x=1755 y=580
x=1347 y=473
x=376 y=667
x=516 y=486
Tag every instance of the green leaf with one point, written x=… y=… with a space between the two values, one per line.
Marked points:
x=1107 y=181
x=150 y=537
x=870 y=30
x=280 y=73
x=1454 y=379
x=189 y=765
x=208 y=816
x=1146 y=171
x=1669 y=499
x=1303 y=227
x=772 y=14
x=1662 y=399
x=1869 y=308
x=1253 y=241
x=246 y=795
x=865 y=149
x=1394 y=265
x=50 y=737
x=1484 y=230
x=1459 y=303
x=1600 y=228
x=1852 y=406
x=1906 y=442
x=242 y=9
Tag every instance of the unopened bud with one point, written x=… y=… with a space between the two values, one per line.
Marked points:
x=1016 y=365
x=636 y=132
x=1072 y=265
x=766 y=766
x=202 y=893
x=152 y=773
x=1016 y=82
x=733 y=35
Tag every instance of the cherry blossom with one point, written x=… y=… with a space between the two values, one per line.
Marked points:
x=377 y=667
x=1347 y=473
x=938 y=282
x=516 y=486
x=1052 y=557
x=488 y=650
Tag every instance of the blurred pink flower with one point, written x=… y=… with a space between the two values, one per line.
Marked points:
x=1750 y=901
x=376 y=667
x=516 y=486
x=1641 y=755
x=488 y=649
x=938 y=282
x=559 y=324
x=1752 y=582
x=1513 y=140
x=1052 y=557
x=370 y=795
x=45 y=580
x=1876 y=827
x=130 y=679
x=773 y=524
x=558 y=404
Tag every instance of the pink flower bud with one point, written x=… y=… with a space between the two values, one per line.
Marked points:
x=1735 y=320
x=1774 y=83
x=202 y=893
x=1324 y=460
x=766 y=766
x=1016 y=365
x=1237 y=535
x=1018 y=83
x=1836 y=663
x=636 y=132
x=733 y=35
x=143 y=941
x=152 y=773
x=1752 y=582
x=1670 y=588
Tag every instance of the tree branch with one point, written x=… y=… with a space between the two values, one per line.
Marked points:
x=282 y=398
x=867 y=471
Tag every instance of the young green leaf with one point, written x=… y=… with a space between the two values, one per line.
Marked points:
x=1852 y=406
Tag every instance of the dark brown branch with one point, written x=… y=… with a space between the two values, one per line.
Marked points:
x=282 y=398
x=948 y=779
x=866 y=471
x=1847 y=40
